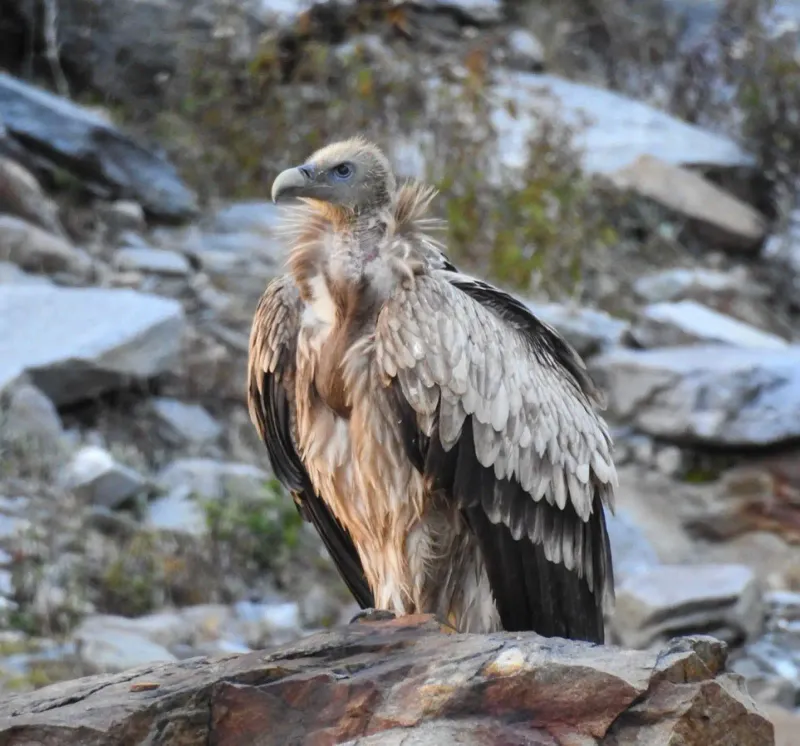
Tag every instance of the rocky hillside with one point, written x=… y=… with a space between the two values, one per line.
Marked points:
x=629 y=169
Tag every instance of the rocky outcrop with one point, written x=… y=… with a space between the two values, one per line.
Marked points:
x=405 y=681
x=706 y=394
x=78 y=342
x=57 y=131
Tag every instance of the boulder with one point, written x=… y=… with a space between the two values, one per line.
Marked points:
x=78 y=342
x=710 y=212
x=92 y=149
x=705 y=394
x=670 y=599
x=405 y=682
x=34 y=249
x=611 y=130
x=96 y=477
x=22 y=195
x=688 y=322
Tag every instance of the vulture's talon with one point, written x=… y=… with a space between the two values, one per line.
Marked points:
x=373 y=615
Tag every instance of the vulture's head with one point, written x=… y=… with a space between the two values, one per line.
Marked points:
x=353 y=174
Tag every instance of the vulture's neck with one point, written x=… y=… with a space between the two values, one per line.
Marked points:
x=336 y=245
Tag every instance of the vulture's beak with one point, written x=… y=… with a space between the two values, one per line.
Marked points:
x=291 y=182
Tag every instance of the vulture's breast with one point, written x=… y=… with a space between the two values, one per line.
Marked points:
x=337 y=318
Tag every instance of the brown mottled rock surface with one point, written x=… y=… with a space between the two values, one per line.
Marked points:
x=405 y=681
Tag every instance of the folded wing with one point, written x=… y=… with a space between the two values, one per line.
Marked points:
x=270 y=396
x=497 y=412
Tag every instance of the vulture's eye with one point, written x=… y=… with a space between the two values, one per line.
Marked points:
x=343 y=171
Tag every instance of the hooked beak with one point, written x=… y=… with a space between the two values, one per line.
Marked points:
x=291 y=182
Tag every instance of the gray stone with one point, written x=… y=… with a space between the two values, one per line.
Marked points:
x=631 y=549
x=705 y=394
x=474 y=11
x=250 y=217
x=78 y=342
x=186 y=423
x=589 y=331
x=678 y=599
x=94 y=150
x=153 y=261
x=525 y=51
x=726 y=221
x=179 y=511
x=612 y=131
x=669 y=460
x=684 y=283
x=688 y=322
x=265 y=624
x=105 y=648
x=96 y=477
x=319 y=607
x=36 y=250
x=211 y=479
x=122 y=215
x=30 y=418
x=11 y=274
x=22 y=195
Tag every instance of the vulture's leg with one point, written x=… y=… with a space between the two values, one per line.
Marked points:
x=373 y=615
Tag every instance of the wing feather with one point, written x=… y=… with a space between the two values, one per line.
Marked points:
x=515 y=439
x=270 y=399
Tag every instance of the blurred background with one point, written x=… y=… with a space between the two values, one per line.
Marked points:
x=628 y=167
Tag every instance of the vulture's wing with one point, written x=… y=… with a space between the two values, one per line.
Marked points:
x=497 y=413
x=270 y=398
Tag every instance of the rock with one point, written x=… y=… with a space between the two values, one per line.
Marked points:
x=94 y=150
x=188 y=482
x=96 y=477
x=725 y=221
x=153 y=261
x=688 y=322
x=467 y=11
x=109 y=649
x=612 y=131
x=250 y=217
x=705 y=394
x=11 y=274
x=319 y=607
x=121 y=216
x=29 y=417
x=669 y=460
x=265 y=624
x=685 y=283
x=78 y=342
x=178 y=511
x=676 y=599
x=22 y=196
x=34 y=249
x=525 y=51
x=406 y=682
x=211 y=479
x=587 y=330
x=186 y=423
x=632 y=551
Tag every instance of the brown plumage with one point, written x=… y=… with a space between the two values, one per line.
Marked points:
x=442 y=439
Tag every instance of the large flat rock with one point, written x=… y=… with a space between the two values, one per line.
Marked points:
x=405 y=682
x=706 y=394
x=613 y=131
x=93 y=150
x=78 y=342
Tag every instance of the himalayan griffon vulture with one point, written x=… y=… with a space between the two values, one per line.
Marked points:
x=442 y=439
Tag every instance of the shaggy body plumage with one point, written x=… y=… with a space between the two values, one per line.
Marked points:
x=440 y=437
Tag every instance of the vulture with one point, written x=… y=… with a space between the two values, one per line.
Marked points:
x=443 y=441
